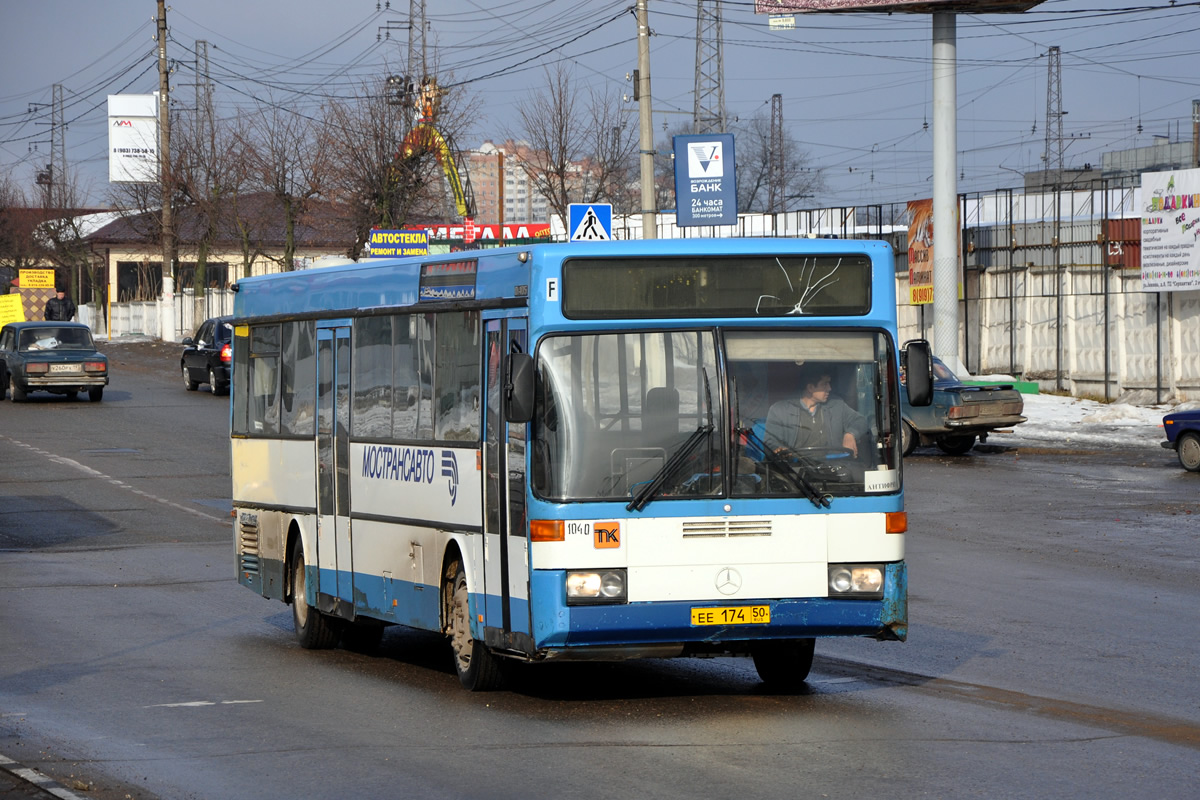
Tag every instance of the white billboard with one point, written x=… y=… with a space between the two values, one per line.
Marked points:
x=1171 y=230
x=133 y=138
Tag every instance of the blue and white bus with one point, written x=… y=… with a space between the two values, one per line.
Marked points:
x=562 y=451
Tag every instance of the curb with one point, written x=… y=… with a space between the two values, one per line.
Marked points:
x=26 y=775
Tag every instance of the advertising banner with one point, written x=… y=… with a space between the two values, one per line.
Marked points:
x=705 y=185
x=11 y=309
x=397 y=244
x=889 y=6
x=920 y=252
x=37 y=278
x=133 y=138
x=1171 y=230
x=490 y=232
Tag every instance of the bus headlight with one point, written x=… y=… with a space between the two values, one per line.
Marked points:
x=596 y=586
x=857 y=580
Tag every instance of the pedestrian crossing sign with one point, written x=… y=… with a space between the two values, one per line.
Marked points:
x=589 y=222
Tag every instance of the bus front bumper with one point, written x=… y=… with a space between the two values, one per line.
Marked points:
x=560 y=629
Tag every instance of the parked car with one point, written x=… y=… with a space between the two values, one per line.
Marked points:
x=56 y=357
x=960 y=413
x=208 y=355
x=1183 y=436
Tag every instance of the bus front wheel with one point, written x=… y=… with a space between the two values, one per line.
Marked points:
x=784 y=664
x=478 y=668
x=314 y=631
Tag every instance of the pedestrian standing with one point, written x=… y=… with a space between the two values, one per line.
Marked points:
x=60 y=308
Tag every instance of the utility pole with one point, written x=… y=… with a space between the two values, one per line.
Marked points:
x=775 y=182
x=649 y=212
x=708 y=114
x=204 y=90
x=58 y=150
x=166 y=322
x=1054 y=115
x=1196 y=133
x=416 y=39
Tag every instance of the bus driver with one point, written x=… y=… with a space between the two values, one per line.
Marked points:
x=814 y=419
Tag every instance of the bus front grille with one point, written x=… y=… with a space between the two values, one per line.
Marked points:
x=726 y=528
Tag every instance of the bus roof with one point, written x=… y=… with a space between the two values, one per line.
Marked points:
x=497 y=274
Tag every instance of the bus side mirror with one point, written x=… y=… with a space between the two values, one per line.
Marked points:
x=918 y=372
x=518 y=387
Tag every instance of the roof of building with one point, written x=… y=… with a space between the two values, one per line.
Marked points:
x=323 y=225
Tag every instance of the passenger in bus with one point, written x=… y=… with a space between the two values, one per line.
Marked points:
x=815 y=418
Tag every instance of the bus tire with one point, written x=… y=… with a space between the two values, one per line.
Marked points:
x=477 y=667
x=784 y=664
x=314 y=631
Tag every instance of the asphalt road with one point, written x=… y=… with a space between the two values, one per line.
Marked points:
x=1051 y=651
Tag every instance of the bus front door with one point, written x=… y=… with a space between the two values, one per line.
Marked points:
x=506 y=548
x=335 y=588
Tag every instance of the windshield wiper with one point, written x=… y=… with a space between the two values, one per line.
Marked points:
x=794 y=476
x=648 y=490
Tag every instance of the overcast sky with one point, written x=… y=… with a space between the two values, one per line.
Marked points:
x=856 y=88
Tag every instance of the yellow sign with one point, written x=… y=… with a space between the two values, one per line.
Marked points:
x=37 y=279
x=11 y=309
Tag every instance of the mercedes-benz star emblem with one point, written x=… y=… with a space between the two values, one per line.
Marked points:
x=729 y=580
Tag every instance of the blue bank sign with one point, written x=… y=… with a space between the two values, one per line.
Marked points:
x=705 y=189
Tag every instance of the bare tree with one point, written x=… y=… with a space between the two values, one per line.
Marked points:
x=210 y=170
x=611 y=159
x=385 y=162
x=754 y=156
x=290 y=158
x=664 y=166
x=17 y=246
x=61 y=237
x=575 y=152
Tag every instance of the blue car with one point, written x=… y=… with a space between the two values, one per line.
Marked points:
x=1183 y=436
x=960 y=413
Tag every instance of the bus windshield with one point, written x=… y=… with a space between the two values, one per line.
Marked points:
x=647 y=415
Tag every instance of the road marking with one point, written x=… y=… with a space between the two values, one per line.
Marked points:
x=202 y=703
x=120 y=484
x=43 y=782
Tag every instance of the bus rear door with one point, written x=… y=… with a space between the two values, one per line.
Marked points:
x=335 y=588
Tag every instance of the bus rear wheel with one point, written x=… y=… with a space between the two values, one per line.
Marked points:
x=314 y=631
x=784 y=664
x=478 y=668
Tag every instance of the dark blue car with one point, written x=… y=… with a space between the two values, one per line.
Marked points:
x=55 y=357
x=960 y=413
x=1183 y=436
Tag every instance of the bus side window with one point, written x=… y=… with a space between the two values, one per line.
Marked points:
x=299 y=379
x=372 y=367
x=264 y=380
x=456 y=377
